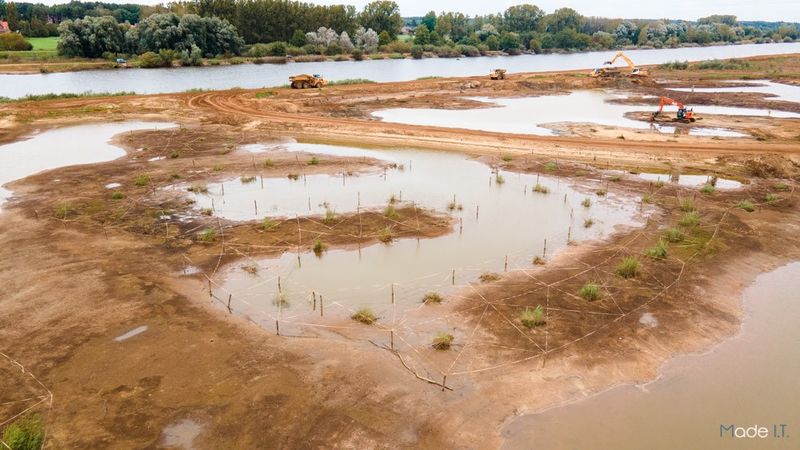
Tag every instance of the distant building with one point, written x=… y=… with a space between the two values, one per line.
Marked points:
x=4 y=27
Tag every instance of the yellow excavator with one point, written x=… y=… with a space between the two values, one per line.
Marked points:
x=608 y=71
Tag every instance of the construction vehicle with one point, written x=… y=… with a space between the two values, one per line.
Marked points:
x=607 y=72
x=304 y=81
x=684 y=115
x=498 y=74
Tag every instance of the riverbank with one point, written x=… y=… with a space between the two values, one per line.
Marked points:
x=132 y=262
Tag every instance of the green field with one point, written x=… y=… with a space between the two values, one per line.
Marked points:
x=44 y=44
x=43 y=48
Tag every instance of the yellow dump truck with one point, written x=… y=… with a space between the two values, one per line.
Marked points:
x=304 y=81
x=498 y=74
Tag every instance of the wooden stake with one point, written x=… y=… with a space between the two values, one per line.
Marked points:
x=230 y=296
x=279 y=283
x=392 y=337
x=460 y=225
x=321 y=306
x=454 y=277
x=277 y=327
x=444 y=383
x=393 y=293
x=314 y=294
x=477 y=211
x=544 y=252
x=255 y=206
x=223 y=189
x=209 y=288
x=505 y=269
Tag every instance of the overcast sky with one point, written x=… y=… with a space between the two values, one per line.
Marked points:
x=772 y=10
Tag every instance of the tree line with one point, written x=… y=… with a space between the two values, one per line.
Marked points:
x=303 y=28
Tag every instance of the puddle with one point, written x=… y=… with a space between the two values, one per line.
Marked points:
x=191 y=270
x=750 y=379
x=181 y=434
x=779 y=91
x=113 y=185
x=511 y=221
x=691 y=180
x=83 y=144
x=134 y=332
x=531 y=115
x=156 y=158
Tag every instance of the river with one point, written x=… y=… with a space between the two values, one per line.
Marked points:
x=154 y=81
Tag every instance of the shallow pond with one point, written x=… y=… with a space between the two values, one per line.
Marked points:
x=691 y=180
x=152 y=81
x=750 y=379
x=69 y=146
x=778 y=91
x=531 y=115
x=498 y=220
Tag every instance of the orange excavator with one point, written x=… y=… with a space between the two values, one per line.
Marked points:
x=684 y=115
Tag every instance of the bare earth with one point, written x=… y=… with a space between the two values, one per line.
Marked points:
x=73 y=282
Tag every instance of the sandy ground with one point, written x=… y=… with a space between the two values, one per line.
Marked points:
x=76 y=282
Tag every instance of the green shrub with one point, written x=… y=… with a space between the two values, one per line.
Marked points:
x=587 y=202
x=771 y=198
x=541 y=189
x=313 y=161
x=14 y=42
x=117 y=195
x=730 y=64
x=675 y=65
x=330 y=216
x=150 y=60
x=386 y=235
x=590 y=291
x=417 y=52
x=357 y=54
x=365 y=316
x=198 y=188
x=531 y=318
x=628 y=267
x=550 y=166
x=588 y=223
x=658 y=251
x=25 y=433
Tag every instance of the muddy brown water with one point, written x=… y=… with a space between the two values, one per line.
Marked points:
x=52 y=149
x=495 y=221
x=748 y=380
x=531 y=115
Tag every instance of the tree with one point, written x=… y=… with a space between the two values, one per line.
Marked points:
x=382 y=16
x=12 y=16
x=91 y=37
x=522 y=18
x=429 y=20
x=323 y=36
x=2 y=9
x=345 y=42
x=563 y=19
x=367 y=40
x=509 y=42
x=298 y=38
x=212 y=35
x=422 y=36
x=384 y=38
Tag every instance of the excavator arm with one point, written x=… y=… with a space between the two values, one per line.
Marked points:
x=624 y=58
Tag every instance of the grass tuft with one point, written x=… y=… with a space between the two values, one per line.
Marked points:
x=198 y=188
x=142 y=180
x=390 y=212
x=628 y=267
x=687 y=204
x=590 y=291
x=432 y=297
x=690 y=219
x=531 y=318
x=673 y=235
x=538 y=261
x=25 y=433
x=541 y=189
x=746 y=205
x=208 y=235
x=319 y=247
x=117 y=195
x=587 y=202
x=550 y=166
x=313 y=161
x=386 y=235
x=488 y=277
x=365 y=316
x=268 y=224
x=442 y=341
x=707 y=189
x=588 y=223
x=247 y=179
x=771 y=198
x=658 y=251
